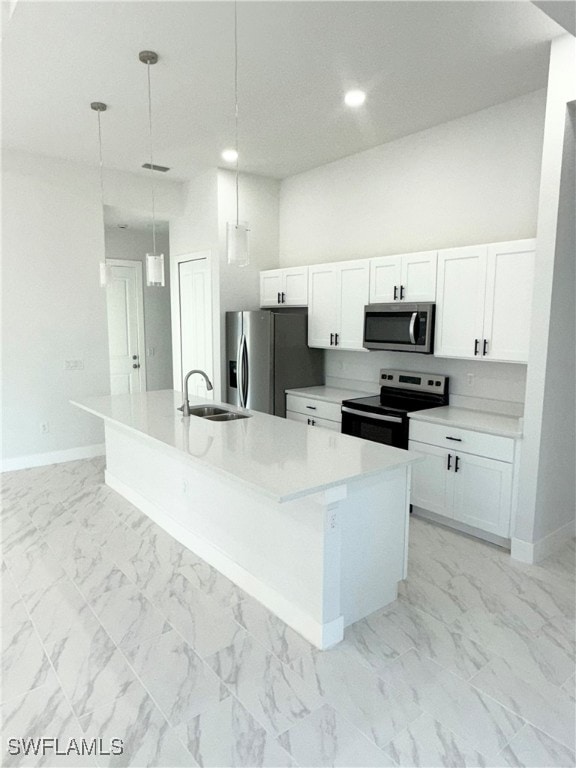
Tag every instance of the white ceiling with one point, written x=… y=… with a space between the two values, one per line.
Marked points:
x=422 y=63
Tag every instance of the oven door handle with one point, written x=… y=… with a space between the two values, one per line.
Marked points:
x=412 y=326
x=376 y=416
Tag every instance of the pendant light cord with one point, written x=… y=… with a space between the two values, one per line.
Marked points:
x=101 y=163
x=151 y=162
x=236 y=104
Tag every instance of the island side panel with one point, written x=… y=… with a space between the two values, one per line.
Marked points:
x=374 y=542
x=285 y=555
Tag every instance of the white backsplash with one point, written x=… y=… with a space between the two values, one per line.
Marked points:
x=476 y=384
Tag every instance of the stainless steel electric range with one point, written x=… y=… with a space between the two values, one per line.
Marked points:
x=384 y=418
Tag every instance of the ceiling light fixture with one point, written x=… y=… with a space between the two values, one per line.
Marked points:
x=354 y=98
x=236 y=233
x=230 y=155
x=154 y=261
x=98 y=107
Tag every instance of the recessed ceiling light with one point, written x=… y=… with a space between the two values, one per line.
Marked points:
x=230 y=155
x=354 y=98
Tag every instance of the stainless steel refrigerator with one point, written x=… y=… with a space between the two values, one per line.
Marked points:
x=266 y=353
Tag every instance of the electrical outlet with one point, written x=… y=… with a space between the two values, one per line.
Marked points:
x=151 y=351
x=470 y=378
x=73 y=365
x=45 y=427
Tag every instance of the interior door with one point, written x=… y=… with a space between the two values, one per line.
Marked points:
x=460 y=302
x=195 y=323
x=125 y=310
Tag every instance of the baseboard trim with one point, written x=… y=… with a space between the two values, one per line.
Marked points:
x=55 y=457
x=535 y=552
x=321 y=635
x=456 y=525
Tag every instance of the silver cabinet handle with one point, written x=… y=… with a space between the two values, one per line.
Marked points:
x=376 y=416
x=412 y=326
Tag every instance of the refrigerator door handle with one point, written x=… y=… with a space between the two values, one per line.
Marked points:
x=239 y=372
x=245 y=372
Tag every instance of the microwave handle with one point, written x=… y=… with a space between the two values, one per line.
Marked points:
x=412 y=326
x=377 y=416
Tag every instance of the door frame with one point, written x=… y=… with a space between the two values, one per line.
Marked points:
x=175 y=261
x=136 y=265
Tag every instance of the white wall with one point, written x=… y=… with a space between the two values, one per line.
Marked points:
x=259 y=206
x=477 y=384
x=472 y=180
x=196 y=230
x=133 y=244
x=546 y=499
x=53 y=307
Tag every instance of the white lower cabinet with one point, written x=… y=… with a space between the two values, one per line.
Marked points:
x=465 y=487
x=314 y=412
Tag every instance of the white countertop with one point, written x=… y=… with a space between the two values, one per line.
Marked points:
x=480 y=421
x=281 y=458
x=329 y=394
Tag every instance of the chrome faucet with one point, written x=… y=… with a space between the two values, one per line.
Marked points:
x=185 y=407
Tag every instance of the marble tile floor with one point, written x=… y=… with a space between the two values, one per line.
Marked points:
x=112 y=630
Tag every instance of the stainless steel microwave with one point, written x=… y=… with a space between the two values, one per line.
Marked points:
x=399 y=327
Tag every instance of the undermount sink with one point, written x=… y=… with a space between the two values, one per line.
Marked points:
x=212 y=413
x=228 y=416
x=206 y=411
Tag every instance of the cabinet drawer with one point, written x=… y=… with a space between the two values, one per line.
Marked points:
x=335 y=426
x=314 y=408
x=465 y=440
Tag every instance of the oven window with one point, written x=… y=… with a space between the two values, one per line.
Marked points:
x=388 y=327
x=376 y=432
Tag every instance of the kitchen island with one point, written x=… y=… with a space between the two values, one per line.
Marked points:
x=311 y=523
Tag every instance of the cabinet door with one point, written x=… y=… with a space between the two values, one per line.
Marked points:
x=353 y=295
x=270 y=287
x=508 y=310
x=432 y=481
x=418 y=279
x=323 y=306
x=385 y=276
x=295 y=287
x=483 y=493
x=460 y=301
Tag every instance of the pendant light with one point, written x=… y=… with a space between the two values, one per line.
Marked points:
x=100 y=107
x=154 y=261
x=236 y=232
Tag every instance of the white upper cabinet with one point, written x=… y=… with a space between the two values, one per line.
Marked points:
x=484 y=301
x=407 y=277
x=460 y=301
x=509 y=284
x=284 y=287
x=323 y=312
x=337 y=296
x=385 y=279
